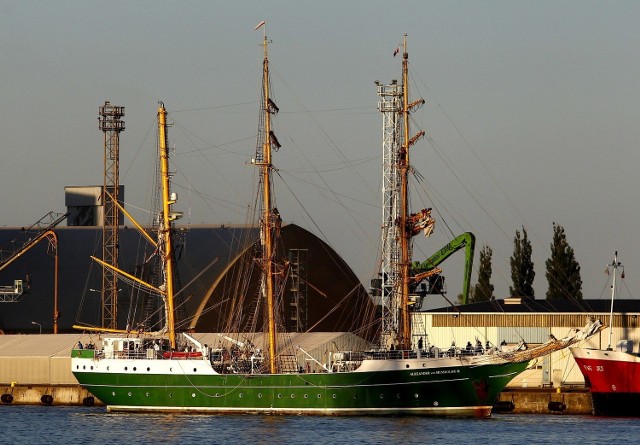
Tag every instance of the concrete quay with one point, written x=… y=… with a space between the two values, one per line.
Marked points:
x=571 y=401
x=547 y=400
x=63 y=395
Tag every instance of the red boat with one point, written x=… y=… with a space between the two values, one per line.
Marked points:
x=612 y=376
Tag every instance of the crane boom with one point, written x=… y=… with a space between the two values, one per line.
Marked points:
x=466 y=240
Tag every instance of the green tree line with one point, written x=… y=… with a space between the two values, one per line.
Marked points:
x=561 y=270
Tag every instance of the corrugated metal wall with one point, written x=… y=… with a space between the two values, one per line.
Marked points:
x=559 y=367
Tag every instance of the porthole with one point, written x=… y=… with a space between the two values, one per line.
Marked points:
x=148 y=369
x=217 y=394
x=129 y=393
x=193 y=394
x=134 y=368
x=113 y=393
x=424 y=365
x=195 y=369
x=259 y=395
x=435 y=404
x=306 y=396
x=84 y=367
x=107 y=368
x=241 y=395
x=415 y=395
x=147 y=394
x=125 y=368
x=91 y=368
x=170 y=369
x=279 y=396
x=319 y=396
x=382 y=396
x=398 y=395
x=170 y=394
x=293 y=396
x=334 y=396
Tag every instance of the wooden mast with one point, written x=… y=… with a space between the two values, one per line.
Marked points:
x=405 y=236
x=165 y=224
x=268 y=217
x=410 y=224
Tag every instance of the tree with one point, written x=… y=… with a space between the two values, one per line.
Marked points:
x=483 y=290
x=563 y=271
x=522 y=273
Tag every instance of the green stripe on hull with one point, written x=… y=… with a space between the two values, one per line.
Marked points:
x=463 y=390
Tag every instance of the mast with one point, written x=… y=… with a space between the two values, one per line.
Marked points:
x=409 y=224
x=164 y=230
x=615 y=265
x=404 y=341
x=270 y=218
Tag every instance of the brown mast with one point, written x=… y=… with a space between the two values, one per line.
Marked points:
x=270 y=219
x=165 y=228
x=407 y=221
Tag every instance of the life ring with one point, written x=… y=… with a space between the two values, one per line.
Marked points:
x=88 y=401
x=6 y=398
x=47 y=399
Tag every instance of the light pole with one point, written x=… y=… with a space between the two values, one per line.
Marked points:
x=39 y=325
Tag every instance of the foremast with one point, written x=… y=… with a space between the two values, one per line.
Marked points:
x=164 y=244
x=165 y=227
x=615 y=265
x=270 y=219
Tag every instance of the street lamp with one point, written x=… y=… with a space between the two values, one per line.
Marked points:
x=39 y=325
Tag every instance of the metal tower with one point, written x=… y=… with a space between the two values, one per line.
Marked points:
x=298 y=304
x=390 y=105
x=111 y=124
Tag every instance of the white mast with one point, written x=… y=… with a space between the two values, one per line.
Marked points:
x=615 y=265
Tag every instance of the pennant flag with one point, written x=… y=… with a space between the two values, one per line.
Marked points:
x=259 y=25
x=396 y=51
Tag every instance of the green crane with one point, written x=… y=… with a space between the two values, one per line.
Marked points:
x=429 y=269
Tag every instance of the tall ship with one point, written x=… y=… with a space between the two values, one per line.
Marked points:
x=612 y=375
x=255 y=366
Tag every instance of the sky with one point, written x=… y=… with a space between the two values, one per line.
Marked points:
x=531 y=117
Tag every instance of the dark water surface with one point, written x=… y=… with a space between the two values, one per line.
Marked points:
x=81 y=425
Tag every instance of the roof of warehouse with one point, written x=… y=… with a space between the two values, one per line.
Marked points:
x=543 y=306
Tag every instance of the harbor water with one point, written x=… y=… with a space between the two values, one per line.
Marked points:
x=32 y=424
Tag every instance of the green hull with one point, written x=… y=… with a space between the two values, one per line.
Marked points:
x=462 y=390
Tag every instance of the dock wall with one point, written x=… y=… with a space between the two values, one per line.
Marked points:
x=512 y=400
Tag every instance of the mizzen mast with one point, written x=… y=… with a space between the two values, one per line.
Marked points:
x=270 y=219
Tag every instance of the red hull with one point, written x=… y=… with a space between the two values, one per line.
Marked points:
x=613 y=378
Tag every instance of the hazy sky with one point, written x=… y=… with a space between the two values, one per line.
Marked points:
x=531 y=115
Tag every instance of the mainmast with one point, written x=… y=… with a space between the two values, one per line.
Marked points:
x=399 y=226
x=270 y=219
x=164 y=230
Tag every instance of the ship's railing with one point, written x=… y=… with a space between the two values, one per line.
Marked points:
x=147 y=354
x=426 y=353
